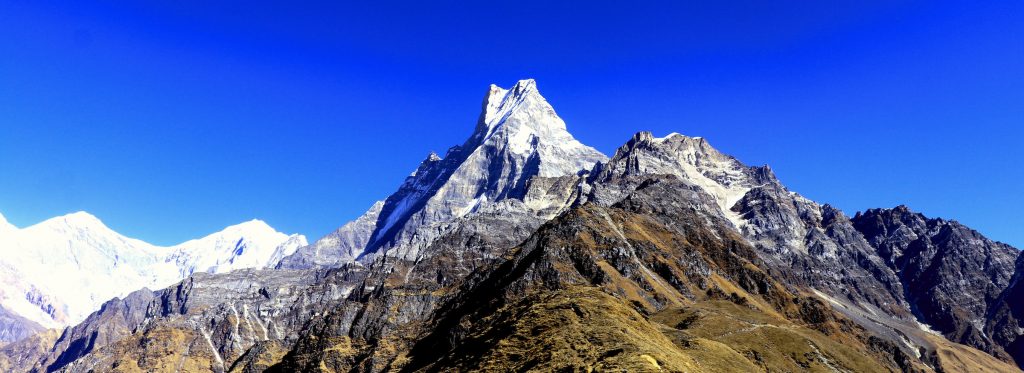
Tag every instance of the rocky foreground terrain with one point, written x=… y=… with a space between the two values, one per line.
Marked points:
x=523 y=249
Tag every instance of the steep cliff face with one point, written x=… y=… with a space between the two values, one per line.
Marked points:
x=517 y=138
x=692 y=159
x=1005 y=318
x=207 y=322
x=952 y=275
x=340 y=246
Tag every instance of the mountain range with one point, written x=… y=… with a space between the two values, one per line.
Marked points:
x=523 y=249
x=57 y=272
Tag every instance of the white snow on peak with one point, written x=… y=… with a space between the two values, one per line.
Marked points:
x=77 y=220
x=495 y=97
x=5 y=225
x=81 y=217
x=522 y=121
x=694 y=160
x=60 y=270
x=671 y=135
x=518 y=136
x=525 y=117
x=247 y=245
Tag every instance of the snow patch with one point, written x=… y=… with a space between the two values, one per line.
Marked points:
x=927 y=328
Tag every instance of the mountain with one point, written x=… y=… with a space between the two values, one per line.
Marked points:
x=1004 y=319
x=5 y=225
x=14 y=327
x=518 y=139
x=522 y=249
x=95 y=264
x=952 y=275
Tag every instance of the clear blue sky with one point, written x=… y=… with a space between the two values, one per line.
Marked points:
x=170 y=120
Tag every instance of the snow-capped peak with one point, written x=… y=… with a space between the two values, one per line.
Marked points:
x=4 y=224
x=691 y=159
x=80 y=219
x=520 y=117
x=493 y=100
x=517 y=137
x=252 y=244
x=96 y=263
x=426 y=164
x=254 y=227
x=499 y=98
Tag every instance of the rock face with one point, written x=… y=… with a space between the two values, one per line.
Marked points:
x=96 y=263
x=952 y=275
x=796 y=237
x=524 y=250
x=14 y=327
x=581 y=293
x=691 y=159
x=1005 y=318
x=517 y=138
x=209 y=321
x=337 y=247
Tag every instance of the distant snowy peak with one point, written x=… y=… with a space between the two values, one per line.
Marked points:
x=5 y=225
x=96 y=263
x=233 y=237
x=57 y=240
x=286 y=248
x=80 y=218
x=80 y=221
x=252 y=244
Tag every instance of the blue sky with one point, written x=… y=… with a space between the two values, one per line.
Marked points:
x=170 y=120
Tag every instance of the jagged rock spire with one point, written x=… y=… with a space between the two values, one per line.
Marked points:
x=693 y=159
x=517 y=137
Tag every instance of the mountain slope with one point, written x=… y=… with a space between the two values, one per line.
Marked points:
x=96 y=263
x=14 y=327
x=591 y=272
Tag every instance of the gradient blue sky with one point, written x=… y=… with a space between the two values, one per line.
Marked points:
x=171 y=120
